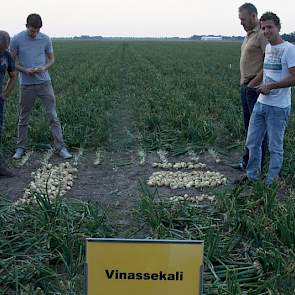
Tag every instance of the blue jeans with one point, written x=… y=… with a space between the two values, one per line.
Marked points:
x=273 y=121
x=249 y=97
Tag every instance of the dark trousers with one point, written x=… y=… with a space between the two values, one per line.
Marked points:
x=1 y=125
x=249 y=97
x=1 y=115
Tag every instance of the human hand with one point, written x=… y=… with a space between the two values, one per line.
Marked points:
x=252 y=84
x=30 y=71
x=264 y=88
x=40 y=69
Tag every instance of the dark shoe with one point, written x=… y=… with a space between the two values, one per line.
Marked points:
x=239 y=166
x=5 y=172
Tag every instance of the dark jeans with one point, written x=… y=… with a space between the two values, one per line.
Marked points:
x=1 y=115
x=249 y=97
x=1 y=125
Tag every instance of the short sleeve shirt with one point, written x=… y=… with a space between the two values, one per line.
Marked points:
x=278 y=59
x=6 y=65
x=252 y=54
x=32 y=53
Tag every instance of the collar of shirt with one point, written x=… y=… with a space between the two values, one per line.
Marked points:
x=255 y=30
x=38 y=36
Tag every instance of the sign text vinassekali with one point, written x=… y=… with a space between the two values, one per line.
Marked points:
x=145 y=267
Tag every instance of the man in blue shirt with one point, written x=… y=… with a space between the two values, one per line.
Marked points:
x=34 y=52
x=6 y=65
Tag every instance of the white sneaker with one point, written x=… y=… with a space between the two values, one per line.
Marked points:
x=63 y=153
x=19 y=152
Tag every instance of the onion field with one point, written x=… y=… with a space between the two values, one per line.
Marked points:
x=154 y=127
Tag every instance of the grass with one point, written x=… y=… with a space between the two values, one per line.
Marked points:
x=248 y=234
x=179 y=95
x=42 y=244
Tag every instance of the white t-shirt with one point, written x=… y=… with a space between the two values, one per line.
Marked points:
x=278 y=59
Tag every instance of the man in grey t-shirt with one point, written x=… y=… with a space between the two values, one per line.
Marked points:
x=34 y=53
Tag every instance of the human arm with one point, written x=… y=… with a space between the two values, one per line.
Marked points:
x=49 y=63
x=11 y=70
x=262 y=41
x=10 y=84
x=256 y=80
x=49 y=57
x=28 y=71
x=31 y=71
x=287 y=82
x=14 y=51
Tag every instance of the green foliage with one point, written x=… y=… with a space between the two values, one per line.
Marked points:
x=249 y=237
x=178 y=94
x=42 y=245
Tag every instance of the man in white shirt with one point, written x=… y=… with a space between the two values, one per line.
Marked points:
x=271 y=112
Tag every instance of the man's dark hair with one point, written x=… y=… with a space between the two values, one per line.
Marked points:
x=34 y=20
x=4 y=39
x=249 y=7
x=271 y=16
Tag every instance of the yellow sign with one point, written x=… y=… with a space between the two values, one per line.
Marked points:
x=143 y=267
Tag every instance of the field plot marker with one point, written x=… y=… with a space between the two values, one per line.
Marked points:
x=98 y=157
x=163 y=155
x=214 y=155
x=78 y=156
x=142 y=156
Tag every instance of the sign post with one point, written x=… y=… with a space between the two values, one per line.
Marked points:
x=143 y=267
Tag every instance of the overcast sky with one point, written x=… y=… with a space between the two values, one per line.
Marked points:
x=156 y=18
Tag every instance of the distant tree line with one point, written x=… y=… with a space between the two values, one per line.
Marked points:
x=86 y=37
x=226 y=38
x=289 y=37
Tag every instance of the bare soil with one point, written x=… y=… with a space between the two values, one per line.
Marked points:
x=115 y=182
